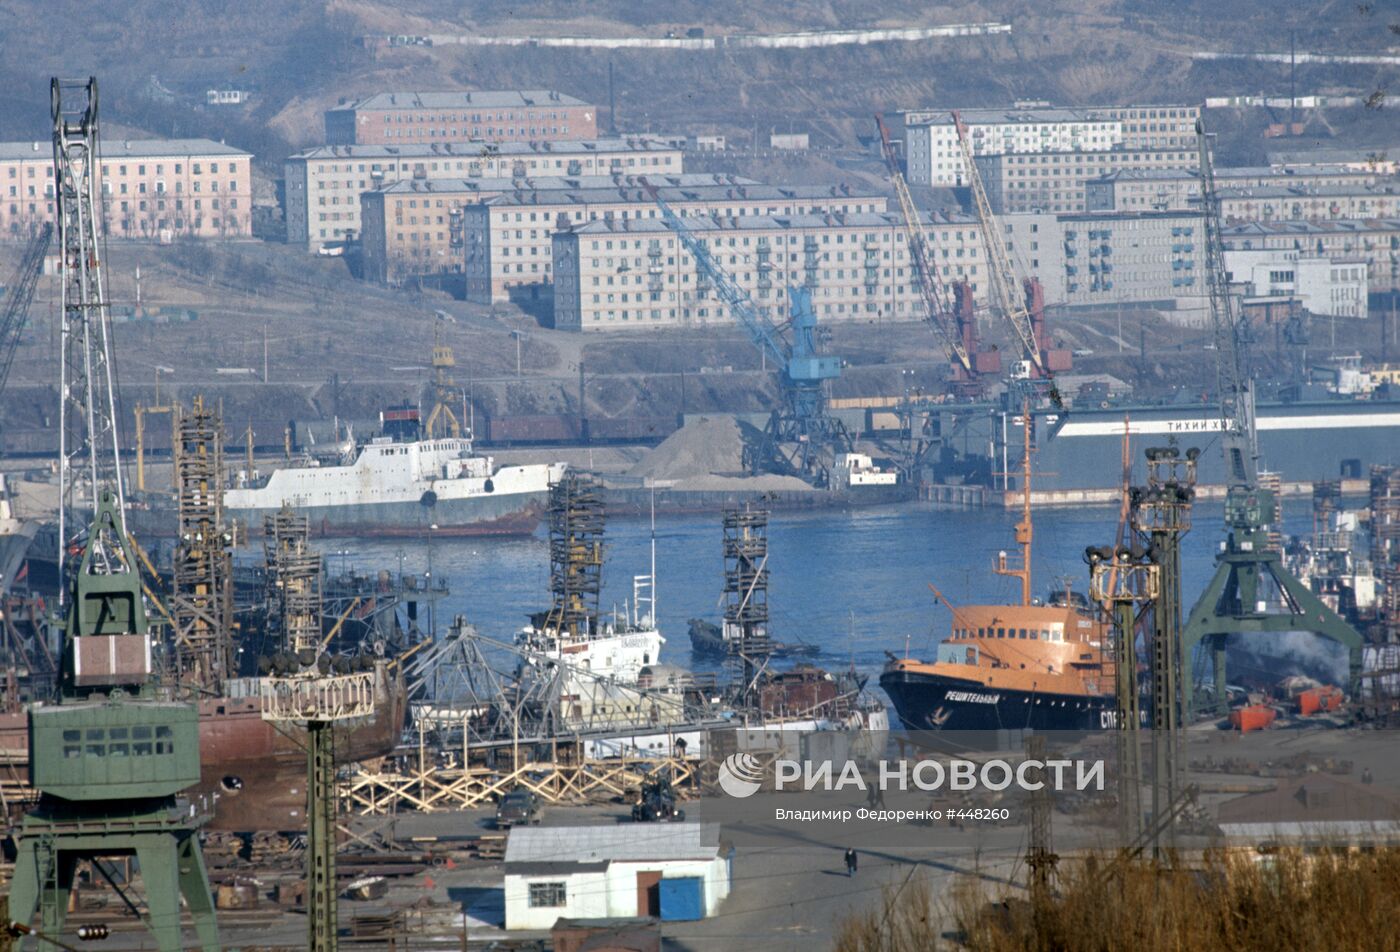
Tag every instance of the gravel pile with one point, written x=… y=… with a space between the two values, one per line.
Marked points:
x=701 y=447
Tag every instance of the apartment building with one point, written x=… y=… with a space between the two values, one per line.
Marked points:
x=1112 y=259
x=1171 y=126
x=500 y=115
x=1055 y=181
x=1374 y=241
x=323 y=185
x=1146 y=189
x=508 y=239
x=625 y=274
x=414 y=226
x=154 y=189
x=933 y=157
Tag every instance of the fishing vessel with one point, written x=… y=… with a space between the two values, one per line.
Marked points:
x=400 y=484
x=1038 y=663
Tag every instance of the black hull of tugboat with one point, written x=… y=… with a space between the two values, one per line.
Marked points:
x=927 y=702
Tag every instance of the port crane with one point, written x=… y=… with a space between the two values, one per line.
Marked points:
x=802 y=438
x=1252 y=590
x=1025 y=311
x=948 y=311
x=140 y=749
x=19 y=295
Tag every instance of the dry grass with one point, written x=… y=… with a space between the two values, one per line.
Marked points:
x=1288 y=900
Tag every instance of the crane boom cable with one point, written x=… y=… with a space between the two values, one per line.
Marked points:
x=20 y=295
x=938 y=302
x=1000 y=271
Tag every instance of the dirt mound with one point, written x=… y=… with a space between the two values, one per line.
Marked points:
x=701 y=447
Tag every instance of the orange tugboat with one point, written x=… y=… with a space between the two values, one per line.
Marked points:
x=1035 y=664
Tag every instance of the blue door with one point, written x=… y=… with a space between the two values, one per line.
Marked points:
x=682 y=899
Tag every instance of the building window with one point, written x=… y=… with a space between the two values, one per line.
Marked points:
x=547 y=895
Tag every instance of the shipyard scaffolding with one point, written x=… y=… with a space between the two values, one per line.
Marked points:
x=576 y=522
x=201 y=604
x=293 y=580
x=747 y=643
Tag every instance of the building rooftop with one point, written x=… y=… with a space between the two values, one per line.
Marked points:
x=700 y=223
x=1303 y=191
x=987 y=117
x=552 y=183
x=717 y=191
x=463 y=99
x=483 y=150
x=1226 y=174
x=637 y=842
x=125 y=148
x=1337 y=226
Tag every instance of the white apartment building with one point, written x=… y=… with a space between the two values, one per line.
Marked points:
x=635 y=273
x=1372 y=241
x=323 y=185
x=933 y=157
x=507 y=239
x=1323 y=286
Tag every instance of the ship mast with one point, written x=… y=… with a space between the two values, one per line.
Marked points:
x=1024 y=528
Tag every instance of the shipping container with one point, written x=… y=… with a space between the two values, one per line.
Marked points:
x=1255 y=717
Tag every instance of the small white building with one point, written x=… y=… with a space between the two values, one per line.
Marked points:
x=795 y=141
x=672 y=871
x=1330 y=287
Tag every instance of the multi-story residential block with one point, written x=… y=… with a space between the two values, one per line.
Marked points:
x=323 y=185
x=156 y=189
x=414 y=226
x=1374 y=241
x=1322 y=286
x=508 y=239
x=515 y=115
x=932 y=155
x=625 y=274
x=1145 y=189
x=1055 y=181
x=1153 y=127
x=1111 y=259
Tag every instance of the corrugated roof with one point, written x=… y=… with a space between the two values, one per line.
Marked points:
x=464 y=99
x=620 y=842
x=125 y=148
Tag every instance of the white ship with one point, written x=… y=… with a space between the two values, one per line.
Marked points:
x=397 y=486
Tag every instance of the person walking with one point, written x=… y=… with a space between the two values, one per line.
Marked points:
x=850 y=862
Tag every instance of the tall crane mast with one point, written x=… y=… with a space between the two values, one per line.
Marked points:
x=939 y=305
x=999 y=269
x=803 y=423
x=89 y=451
x=1252 y=590
x=1239 y=434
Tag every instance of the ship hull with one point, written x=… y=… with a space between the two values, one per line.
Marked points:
x=938 y=702
x=496 y=515
x=252 y=772
x=15 y=539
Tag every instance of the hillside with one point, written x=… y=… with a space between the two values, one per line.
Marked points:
x=157 y=57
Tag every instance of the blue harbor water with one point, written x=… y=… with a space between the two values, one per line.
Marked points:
x=853 y=583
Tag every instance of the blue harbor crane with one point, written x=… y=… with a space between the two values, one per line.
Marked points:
x=802 y=437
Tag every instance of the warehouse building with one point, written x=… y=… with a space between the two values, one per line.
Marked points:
x=414 y=226
x=508 y=239
x=511 y=115
x=323 y=185
x=671 y=871
x=153 y=189
x=626 y=274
